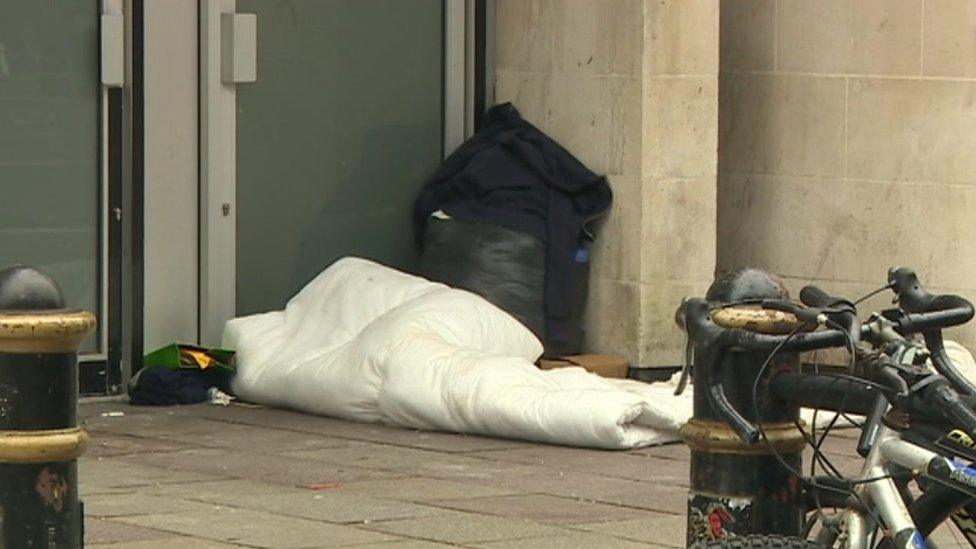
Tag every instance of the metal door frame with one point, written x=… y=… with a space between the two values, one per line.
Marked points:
x=101 y=372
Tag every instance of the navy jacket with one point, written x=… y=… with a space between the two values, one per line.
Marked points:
x=513 y=175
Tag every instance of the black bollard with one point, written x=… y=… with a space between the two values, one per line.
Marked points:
x=739 y=488
x=40 y=440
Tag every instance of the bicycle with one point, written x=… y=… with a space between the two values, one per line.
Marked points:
x=916 y=425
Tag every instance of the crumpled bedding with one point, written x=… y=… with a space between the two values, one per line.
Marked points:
x=368 y=343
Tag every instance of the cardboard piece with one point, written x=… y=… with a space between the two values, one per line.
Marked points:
x=603 y=365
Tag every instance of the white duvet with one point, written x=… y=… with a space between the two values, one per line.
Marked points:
x=368 y=343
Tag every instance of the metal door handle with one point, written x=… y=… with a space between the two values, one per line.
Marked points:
x=112 y=49
x=238 y=48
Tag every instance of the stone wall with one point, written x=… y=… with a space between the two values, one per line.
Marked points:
x=846 y=138
x=630 y=88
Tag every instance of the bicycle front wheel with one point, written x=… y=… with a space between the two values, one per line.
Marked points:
x=758 y=542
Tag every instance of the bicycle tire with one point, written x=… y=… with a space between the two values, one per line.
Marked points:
x=758 y=541
x=929 y=511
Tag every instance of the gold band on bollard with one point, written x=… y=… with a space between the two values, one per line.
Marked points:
x=719 y=438
x=764 y=321
x=42 y=446
x=57 y=332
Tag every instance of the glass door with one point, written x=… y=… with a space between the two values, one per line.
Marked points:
x=52 y=113
x=342 y=126
x=334 y=139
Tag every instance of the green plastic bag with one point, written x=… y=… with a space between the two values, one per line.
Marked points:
x=182 y=356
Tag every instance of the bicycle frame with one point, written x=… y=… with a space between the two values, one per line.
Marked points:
x=855 y=527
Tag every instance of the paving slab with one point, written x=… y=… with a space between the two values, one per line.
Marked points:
x=238 y=437
x=541 y=508
x=256 y=529
x=602 y=462
x=101 y=445
x=523 y=477
x=239 y=476
x=661 y=498
x=421 y=489
x=443 y=442
x=216 y=464
x=665 y=530
x=325 y=504
x=140 y=503
x=113 y=475
x=845 y=432
x=493 y=473
x=948 y=536
x=466 y=528
x=276 y=418
x=182 y=542
x=466 y=468
x=579 y=540
x=404 y=544
x=98 y=530
x=142 y=421
x=397 y=459
x=675 y=451
x=840 y=446
x=844 y=463
x=571 y=484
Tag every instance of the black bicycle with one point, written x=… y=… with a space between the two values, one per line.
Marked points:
x=918 y=428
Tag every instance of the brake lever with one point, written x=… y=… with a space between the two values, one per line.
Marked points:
x=686 y=367
x=714 y=342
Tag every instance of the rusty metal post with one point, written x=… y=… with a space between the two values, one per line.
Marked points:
x=40 y=440
x=738 y=488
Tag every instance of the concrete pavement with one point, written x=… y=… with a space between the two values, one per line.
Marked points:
x=243 y=476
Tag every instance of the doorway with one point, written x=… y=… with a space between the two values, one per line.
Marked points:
x=319 y=149
x=60 y=163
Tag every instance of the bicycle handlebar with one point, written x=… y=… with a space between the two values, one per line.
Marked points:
x=914 y=299
x=942 y=311
x=929 y=314
x=815 y=297
x=715 y=341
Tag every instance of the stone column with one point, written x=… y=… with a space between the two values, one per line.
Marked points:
x=678 y=165
x=630 y=88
